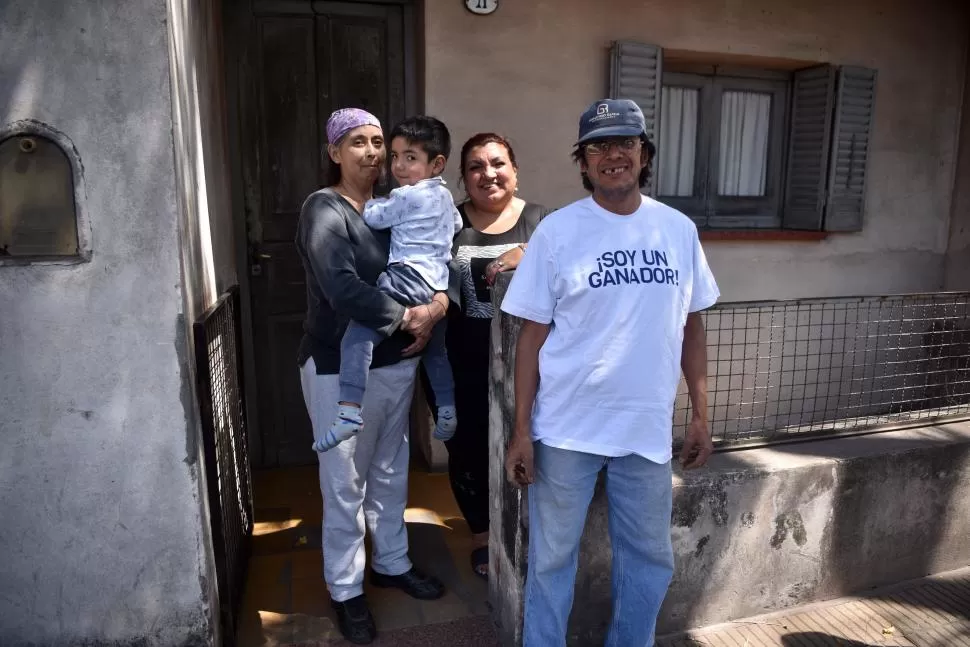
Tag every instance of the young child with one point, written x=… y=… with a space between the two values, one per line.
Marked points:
x=423 y=220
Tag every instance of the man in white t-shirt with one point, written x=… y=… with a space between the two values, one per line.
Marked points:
x=610 y=290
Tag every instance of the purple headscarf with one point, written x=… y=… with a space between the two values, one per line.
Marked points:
x=346 y=119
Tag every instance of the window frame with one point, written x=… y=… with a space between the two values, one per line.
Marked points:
x=736 y=212
x=706 y=208
x=693 y=205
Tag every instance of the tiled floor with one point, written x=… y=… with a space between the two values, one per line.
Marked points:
x=934 y=612
x=286 y=601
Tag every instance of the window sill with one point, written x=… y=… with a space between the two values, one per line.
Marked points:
x=755 y=235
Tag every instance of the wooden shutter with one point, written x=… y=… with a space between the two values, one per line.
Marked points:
x=636 y=73
x=854 y=101
x=813 y=97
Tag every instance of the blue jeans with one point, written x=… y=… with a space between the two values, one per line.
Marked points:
x=639 y=493
x=407 y=287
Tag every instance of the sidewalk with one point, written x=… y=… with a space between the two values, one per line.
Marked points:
x=932 y=612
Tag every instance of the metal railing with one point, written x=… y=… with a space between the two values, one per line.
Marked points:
x=779 y=370
x=219 y=376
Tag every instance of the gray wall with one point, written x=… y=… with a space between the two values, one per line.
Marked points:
x=958 y=249
x=102 y=536
x=548 y=60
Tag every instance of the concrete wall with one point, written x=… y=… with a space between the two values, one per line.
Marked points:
x=529 y=69
x=957 y=275
x=102 y=535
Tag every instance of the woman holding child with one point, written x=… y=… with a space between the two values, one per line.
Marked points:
x=360 y=424
x=497 y=227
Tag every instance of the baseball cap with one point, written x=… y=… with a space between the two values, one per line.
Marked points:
x=611 y=118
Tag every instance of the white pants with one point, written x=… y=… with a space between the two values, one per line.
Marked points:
x=365 y=478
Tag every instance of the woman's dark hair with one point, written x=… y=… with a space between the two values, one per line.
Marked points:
x=579 y=155
x=429 y=133
x=483 y=139
x=333 y=169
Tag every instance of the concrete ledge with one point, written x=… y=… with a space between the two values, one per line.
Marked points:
x=758 y=530
x=767 y=529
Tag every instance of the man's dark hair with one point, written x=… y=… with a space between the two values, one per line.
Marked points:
x=579 y=155
x=429 y=133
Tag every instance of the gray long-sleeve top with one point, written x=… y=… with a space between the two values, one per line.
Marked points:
x=342 y=258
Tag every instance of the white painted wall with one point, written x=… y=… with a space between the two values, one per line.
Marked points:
x=530 y=69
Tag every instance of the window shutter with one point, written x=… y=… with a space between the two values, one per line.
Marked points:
x=635 y=73
x=813 y=97
x=854 y=100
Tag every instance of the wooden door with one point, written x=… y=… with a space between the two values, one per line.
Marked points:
x=303 y=60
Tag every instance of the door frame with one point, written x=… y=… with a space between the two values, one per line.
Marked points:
x=238 y=41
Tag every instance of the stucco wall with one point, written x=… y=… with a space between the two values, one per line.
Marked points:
x=102 y=535
x=529 y=69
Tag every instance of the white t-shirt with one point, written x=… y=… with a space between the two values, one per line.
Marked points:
x=617 y=291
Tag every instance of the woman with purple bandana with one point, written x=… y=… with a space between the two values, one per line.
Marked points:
x=364 y=479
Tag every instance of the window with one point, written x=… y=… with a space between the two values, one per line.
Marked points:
x=37 y=200
x=753 y=148
x=719 y=148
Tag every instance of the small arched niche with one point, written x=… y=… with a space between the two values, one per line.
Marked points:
x=38 y=196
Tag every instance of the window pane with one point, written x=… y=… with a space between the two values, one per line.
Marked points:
x=678 y=141
x=743 y=157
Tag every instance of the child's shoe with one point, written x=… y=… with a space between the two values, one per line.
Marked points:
x=348 y=423
x=447 y=423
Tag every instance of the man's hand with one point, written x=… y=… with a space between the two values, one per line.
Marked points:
x=420 y=341
x=418 y=321
x=697 y=445
x=519 y=467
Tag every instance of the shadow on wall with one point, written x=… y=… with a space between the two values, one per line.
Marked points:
x=21 y=80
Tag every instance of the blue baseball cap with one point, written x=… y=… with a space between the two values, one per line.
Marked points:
x=611 y=118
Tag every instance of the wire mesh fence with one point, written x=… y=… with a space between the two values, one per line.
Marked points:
x=784 y=369
x=218 y=352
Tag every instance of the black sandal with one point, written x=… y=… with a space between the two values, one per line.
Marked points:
x=479 y=558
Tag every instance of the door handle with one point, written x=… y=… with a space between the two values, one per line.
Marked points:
x=256 y=262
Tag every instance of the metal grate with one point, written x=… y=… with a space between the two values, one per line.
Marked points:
x=218 y=347
x=783 y=369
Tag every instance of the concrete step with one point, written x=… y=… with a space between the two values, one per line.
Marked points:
x=930 y=612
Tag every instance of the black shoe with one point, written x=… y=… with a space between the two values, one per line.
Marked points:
x=414 y=583
x=355 y=620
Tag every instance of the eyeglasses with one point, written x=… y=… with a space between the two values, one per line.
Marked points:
x=626 y=145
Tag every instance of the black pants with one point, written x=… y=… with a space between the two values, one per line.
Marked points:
x=468 y=352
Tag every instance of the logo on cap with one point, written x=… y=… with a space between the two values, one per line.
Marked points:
x=602 y=109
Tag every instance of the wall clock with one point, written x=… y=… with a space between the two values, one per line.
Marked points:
x=481 y=7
